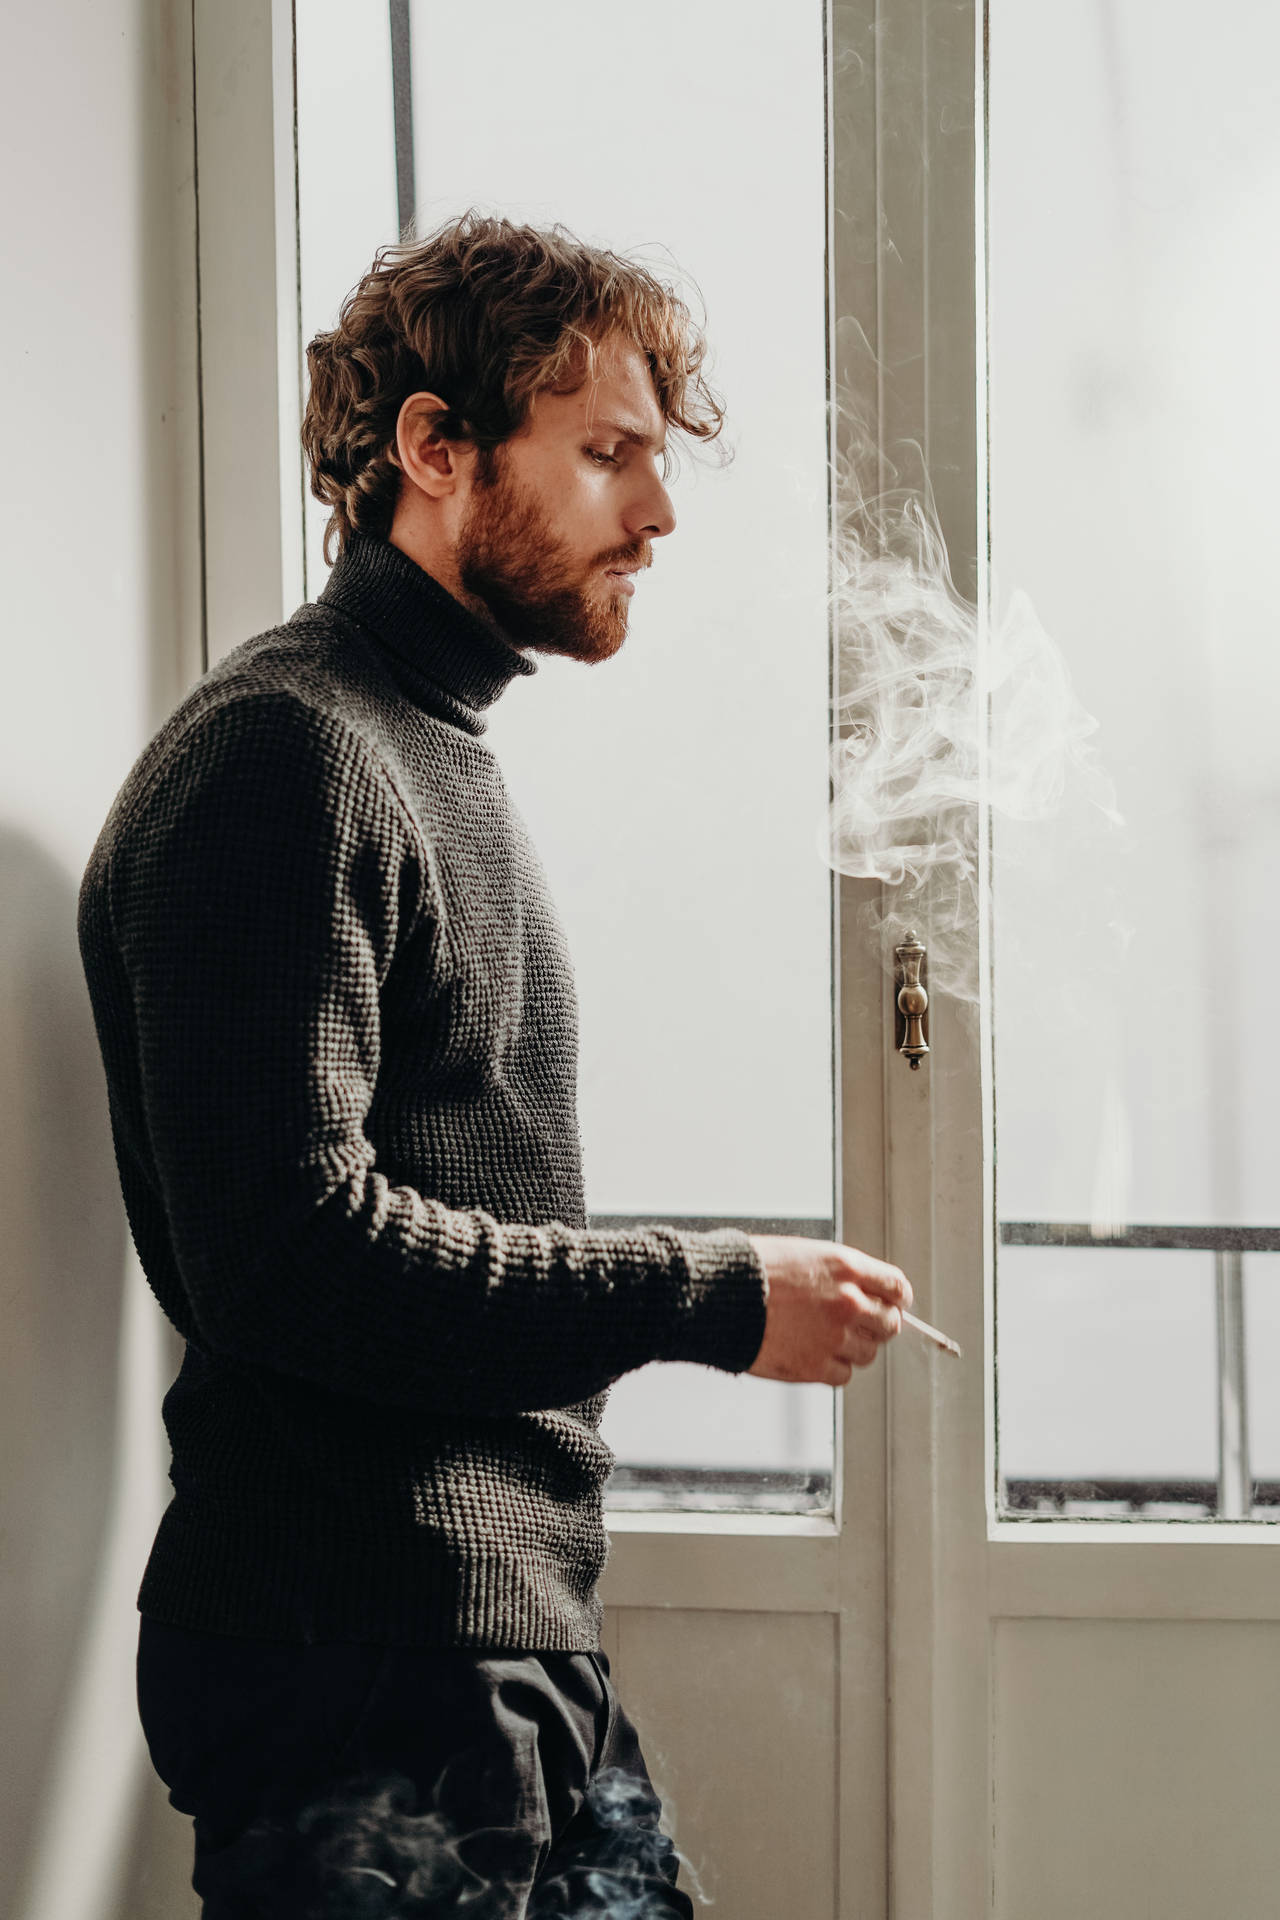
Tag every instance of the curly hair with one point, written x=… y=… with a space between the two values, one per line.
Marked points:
x=487 y=315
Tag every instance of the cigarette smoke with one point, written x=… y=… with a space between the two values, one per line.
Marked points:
x=629 y=1863
x=935 y=719
x=367 y=1852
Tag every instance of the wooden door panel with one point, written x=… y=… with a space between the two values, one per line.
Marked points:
x=1137 y=1769
x=737 y=1713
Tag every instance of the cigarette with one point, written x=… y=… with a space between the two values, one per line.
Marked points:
x=930 y=1333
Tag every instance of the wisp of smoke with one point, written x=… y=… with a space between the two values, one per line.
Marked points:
x=366 y=1852
x=929 y=728
x=626 y=1871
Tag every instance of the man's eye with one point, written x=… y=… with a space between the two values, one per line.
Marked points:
x=602 y=459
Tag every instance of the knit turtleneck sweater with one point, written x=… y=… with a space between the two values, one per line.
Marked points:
x=339 y=1030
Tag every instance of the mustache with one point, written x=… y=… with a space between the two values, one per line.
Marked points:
x=638 y=557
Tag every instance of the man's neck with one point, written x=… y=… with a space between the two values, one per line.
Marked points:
x=439 y=559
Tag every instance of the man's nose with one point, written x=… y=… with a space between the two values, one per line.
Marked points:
x=652 y=515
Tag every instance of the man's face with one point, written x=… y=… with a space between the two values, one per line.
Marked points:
x=552 y=538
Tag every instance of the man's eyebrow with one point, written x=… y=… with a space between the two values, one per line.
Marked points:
x=634 y=436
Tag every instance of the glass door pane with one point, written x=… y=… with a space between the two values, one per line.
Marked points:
x=1134 y=202
x=675 y=795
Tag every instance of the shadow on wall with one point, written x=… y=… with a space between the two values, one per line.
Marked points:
x=85 y=1829
x=62 y=1268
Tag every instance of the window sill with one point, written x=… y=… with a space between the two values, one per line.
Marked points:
x=775 y=1525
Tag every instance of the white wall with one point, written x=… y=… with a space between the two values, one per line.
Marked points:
x=100 y=630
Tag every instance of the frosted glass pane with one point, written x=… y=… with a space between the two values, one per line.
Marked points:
x=1083 y=1333
x=676 y=792
x=1134 y=198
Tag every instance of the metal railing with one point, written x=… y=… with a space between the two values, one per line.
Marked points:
x=1234 y=1495
x=1150 y=1499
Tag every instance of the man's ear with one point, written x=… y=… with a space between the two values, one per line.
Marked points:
x=428 y=460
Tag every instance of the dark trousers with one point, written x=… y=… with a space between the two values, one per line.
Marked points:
x=336 y=1781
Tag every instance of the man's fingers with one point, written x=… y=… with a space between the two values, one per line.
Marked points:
x=830 y=1309
x=861 y=1350
x=891 y=1285
x=856 y=1351
x=872 y=1317
x=878 y=1277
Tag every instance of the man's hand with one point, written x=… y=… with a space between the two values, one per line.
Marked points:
x=830 y=1309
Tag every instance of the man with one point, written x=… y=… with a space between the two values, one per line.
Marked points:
x=338 y=1025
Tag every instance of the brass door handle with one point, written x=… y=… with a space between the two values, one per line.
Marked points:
x=913 y=1000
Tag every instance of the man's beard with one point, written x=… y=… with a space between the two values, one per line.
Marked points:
x=511 y=562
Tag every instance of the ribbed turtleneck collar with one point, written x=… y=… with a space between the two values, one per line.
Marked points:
x=457 y=666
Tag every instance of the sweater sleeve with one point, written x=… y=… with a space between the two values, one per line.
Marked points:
x=258 y=897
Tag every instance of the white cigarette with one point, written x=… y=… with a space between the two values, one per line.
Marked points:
x=930 y=1333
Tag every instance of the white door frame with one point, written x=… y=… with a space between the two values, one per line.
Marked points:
x=249 y=336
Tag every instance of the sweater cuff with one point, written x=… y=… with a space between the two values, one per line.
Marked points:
x=723 y=1324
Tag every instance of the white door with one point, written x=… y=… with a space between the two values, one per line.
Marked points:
x=1083 y=1589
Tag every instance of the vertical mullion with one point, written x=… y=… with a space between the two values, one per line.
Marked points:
x=929 y=248
x=289 y=350
x=240 y=261
x=199 y=348
x=854 y=297
x=402 y=109
x=1235 y=1486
